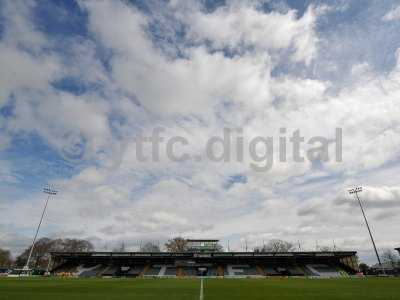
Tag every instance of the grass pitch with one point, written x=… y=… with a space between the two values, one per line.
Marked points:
x=246 y=289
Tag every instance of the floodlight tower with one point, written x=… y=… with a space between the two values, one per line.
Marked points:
x=49 y=192
x=355 y=191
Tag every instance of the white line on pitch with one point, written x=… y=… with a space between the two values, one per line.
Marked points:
x=201 y=297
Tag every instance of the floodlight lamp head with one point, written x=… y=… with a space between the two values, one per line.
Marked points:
x=50 y=191
x=355 y=190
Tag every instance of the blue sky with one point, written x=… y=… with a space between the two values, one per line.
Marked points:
x=81 y=80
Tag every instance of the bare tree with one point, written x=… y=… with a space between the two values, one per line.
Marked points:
x=5 y=258
x=43 y=247
x=76 y=245
x=150 y=247
x=276 y=246
x=364 y=268
x=40 y=254
x=120 y=247
x=390 y=258
x=177 y=244
x=325 y=249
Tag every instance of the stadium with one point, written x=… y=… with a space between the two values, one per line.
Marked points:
x=201 y=262
x=199 y=149
x=201 y=272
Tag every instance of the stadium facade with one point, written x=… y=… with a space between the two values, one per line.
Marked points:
x=204 y=263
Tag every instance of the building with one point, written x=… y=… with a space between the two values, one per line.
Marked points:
x=205 y=245
x=203 y=263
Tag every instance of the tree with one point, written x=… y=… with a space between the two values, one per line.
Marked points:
x=43 y=247
x=390 y=259
x=364 y=268
x=40 y=254
x=150 y=247
x=177 y=244
x=5 y=258
x=76 y=245
x=120 y=248
x=276 y=246
x=325 y=249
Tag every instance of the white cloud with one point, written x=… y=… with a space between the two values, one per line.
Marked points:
x=6 y=174
x=381 y=197
x=73 y=125
x=240 y=26
x=213 y=75
x=196 y=94
x=22 y=70
x=392 y=15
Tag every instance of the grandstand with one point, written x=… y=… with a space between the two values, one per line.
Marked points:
x=211 y=264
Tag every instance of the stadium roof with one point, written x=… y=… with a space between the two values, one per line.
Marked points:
x=203 y=254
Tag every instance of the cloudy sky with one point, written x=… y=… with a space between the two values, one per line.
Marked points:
x=80 y=81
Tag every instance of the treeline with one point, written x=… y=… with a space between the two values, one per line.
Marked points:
x=41 y=252
x=44 y=246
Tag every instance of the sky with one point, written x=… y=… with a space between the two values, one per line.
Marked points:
x=80 y=81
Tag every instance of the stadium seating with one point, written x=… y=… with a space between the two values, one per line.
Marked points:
x=234 y=270
x=251 y=271
x=154 y=270
x=189 y=271
x=170 y=271
x=110 y=264
x=324 y=270
x=212 y=271
x=65 y=268
x=295 y=271
x=242 y=270
x=269 y=271
x=135 y=271
x=81 y=269
x=307 y=271
x=109 y=271
x=91 y=271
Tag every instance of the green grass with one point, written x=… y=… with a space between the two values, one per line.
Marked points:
x=307 y=289
x=108 y=289
x=247 y=289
